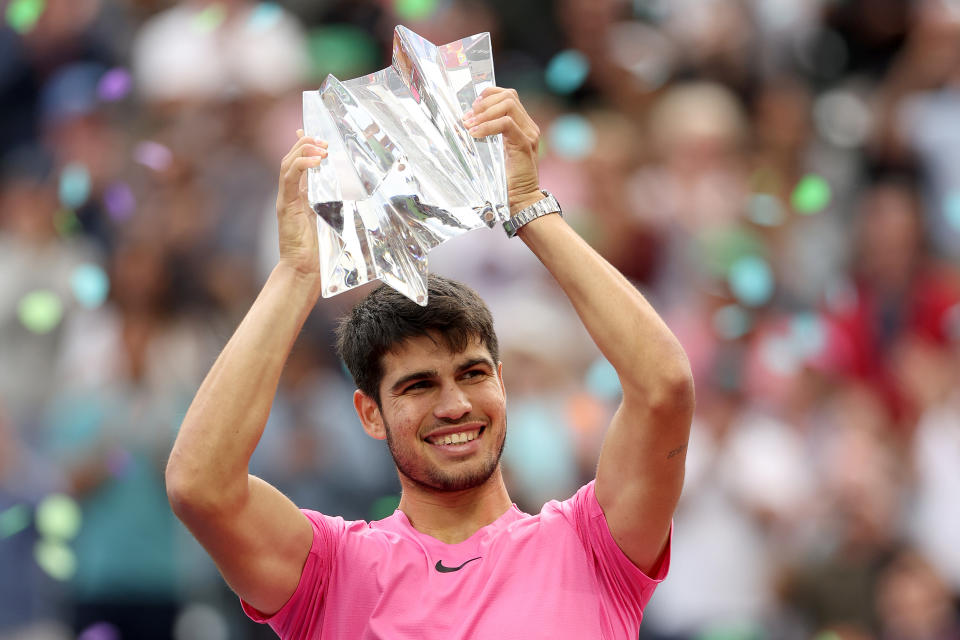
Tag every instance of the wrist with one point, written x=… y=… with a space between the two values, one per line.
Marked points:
x=308 y=282
x=525 y=200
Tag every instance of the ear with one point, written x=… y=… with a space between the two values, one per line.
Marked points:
x=503 y=389
x=369 y=414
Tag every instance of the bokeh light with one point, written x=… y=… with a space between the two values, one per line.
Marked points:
x=571 y=136
x=200 y=622
x=807 y=334
x=951 y=209
x=22 y=15
x=74 y=185
x=410 y=10
x=264 y=16
x=13 y=520
x=114 y=85
x=731 y=322
x=90 y=285
x=842 y=118
x=811 y=195
x=751 y=281
x=567 y=71
x=153 y=155
x=343 y=50
x=55 y=558
x=210 y=18
x=384 y=506
x=66 y=222
x=40 y=311
x=100 y=631
x=765 y=210
x=119 y=201
x=602 y=380
x=58 y=517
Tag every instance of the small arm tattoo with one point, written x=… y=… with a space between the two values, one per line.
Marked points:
x=676 y=451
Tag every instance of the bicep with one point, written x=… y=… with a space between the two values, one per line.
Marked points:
x=640 y=475
x=260 y=548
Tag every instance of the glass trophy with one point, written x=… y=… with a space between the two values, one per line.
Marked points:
x=403 y=174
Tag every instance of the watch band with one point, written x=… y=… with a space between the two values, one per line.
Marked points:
x=539 y=208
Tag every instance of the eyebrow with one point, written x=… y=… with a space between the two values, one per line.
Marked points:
x=433 y=373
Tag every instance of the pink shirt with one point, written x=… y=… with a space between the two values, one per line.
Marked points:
x=559 y=574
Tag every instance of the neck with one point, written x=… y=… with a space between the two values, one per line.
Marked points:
x=454 y=516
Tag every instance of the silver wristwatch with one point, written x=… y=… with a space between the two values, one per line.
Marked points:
x=534 y=211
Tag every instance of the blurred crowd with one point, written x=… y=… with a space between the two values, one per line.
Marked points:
x=781 y=178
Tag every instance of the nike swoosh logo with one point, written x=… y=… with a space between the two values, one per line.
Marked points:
x=442 y=569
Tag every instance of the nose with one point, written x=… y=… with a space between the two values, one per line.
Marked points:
x=452 y=404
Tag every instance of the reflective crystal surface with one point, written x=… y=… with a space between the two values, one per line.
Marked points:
x=403 y=174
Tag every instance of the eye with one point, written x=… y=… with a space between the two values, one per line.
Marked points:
x=416 y=386
x=474 y=373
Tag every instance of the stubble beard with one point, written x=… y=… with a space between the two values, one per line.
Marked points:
x=431 y=477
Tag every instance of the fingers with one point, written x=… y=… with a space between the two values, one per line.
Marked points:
x=507 y=125
x=306 y=152
x=494 y=104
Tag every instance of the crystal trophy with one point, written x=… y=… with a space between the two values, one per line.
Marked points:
x=403 y=174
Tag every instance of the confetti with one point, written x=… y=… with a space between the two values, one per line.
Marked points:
x=40 y=311
x=90 y=285
x=58 y=517
x=811 y=195
x=567 y=71
x=571 y=136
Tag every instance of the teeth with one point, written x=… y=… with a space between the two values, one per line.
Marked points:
x=456 y=438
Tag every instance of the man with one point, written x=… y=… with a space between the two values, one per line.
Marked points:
x=456 y=560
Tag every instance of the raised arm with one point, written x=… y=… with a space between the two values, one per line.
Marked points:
x=640 y=473
x=258 y=538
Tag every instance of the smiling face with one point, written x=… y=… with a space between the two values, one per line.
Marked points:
x=441 y=412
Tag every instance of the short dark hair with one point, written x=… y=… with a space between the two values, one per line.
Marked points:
x=385 y=318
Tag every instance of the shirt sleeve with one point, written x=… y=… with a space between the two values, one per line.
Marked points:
x=625 y=589
x=301 y=616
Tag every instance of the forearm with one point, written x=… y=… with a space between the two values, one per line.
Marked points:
x=226 y=419
x=648 y=358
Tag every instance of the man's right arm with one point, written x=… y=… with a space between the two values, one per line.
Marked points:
x=257 y=537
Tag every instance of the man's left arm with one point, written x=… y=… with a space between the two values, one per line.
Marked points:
x=640 y=473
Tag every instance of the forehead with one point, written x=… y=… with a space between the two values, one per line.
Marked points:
x=429 y=352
